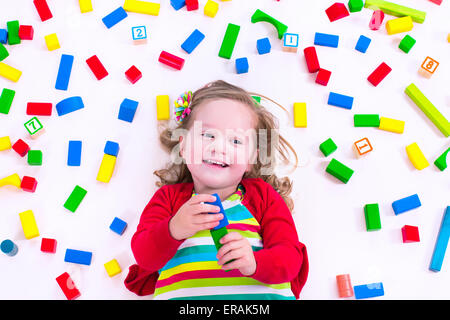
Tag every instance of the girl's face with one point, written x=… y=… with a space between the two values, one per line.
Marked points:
x=220 y=145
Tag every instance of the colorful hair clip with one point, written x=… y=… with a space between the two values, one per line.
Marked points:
x=182 y=106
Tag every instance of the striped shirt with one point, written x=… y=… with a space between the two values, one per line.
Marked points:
x=193 y=272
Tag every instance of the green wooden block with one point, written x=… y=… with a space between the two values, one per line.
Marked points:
x=428 y=108
x=3 y=52
x=339 y=170
x=407 y=43
x=229 y=40
x=441 y=161
x=372 y=215
x=35 y=157
x=217 y=235
x=355 y=5
x=328 y=147
x=260 y=16
x=75 y=198
x=366 y=120
x=6 y=100
x=13 y=32
x=33 y=126
x=396 y=10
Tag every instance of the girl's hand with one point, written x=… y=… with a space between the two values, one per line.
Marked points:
x=193 y=216
x=238 y=248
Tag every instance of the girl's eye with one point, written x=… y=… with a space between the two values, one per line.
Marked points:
x=237 y=141
x=207 y=135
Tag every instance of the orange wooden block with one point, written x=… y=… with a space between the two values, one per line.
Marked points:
x=363 y=146
x=344 y=284
x=428 y=67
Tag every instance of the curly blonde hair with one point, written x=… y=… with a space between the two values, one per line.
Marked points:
x=179 y=172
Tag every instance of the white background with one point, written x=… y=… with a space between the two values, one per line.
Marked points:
x=328 y=214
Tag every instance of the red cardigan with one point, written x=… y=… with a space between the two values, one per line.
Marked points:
x=283 y=258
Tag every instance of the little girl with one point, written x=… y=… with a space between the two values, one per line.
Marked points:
x=221 y=135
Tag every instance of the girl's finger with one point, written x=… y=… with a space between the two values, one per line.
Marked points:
x=231 y=245
x=204 y=208
x=236 y=264
x=230 y=237
x=233 y=254
x=206 y=218
x=202 y=197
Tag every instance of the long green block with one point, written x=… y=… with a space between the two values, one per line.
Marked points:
x=366 y=120
x=372 y=215
x=229 y=40
x=75 y=198
x=396 y=10
x=6 y=100
x=260 y=16
x=339 y=170
x=217 y=235
x=13 y=32
x=441 y=161
x=428 y=108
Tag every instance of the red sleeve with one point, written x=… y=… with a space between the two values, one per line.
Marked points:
x=152 y=244
x=283 y=258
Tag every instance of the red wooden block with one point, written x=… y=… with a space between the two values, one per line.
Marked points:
x=311 y=59
x=97 y=67
x=28 y=184
x=410 y=234
x=323 y=76
x=171 y=60
x=43 y=9
x=26 y=32
x=133 y=74
x=67 y=286
x=39 y=108
x=379 y=74
x=376 y=20
x=48 y=245
x=337 y=11
x=191 y=5
x=438 y=2
x=21 y=147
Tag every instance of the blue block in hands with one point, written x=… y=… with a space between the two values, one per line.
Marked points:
x=224 y=222
x=127 y=110
x=406 y=204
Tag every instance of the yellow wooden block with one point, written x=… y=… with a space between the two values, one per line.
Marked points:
x=211 y=8
x=162 y=107
x=85 y=6
x=9 y=72
x=112 y=268
x=5 y=143
x=392 y=125
x=300 y=115
x=106 y=168
x=416 y=156
x=144 y=7
x=29 y=225
x=12 y=180
x=52 y=42
x=448 y=38
x=398 y=25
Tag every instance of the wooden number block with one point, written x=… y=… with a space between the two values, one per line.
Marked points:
x=428 y=67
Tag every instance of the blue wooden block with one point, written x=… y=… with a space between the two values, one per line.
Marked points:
x=65 y=68
x=327 y=40
x=78 y=256
x=263 y=45
x=406 y=204
x=9 y=248
x=114 y=17
x=340 y=100
x=127 y=110
x=441 y=243
x=74 y=154
x=242 y=65
x=368 y=290
x=193 y=41
x=118 y=226
x=69 y=105
x=224 y=222
x=111 y=148
x=178 y=4
x=362 y=44
x=3 y=36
